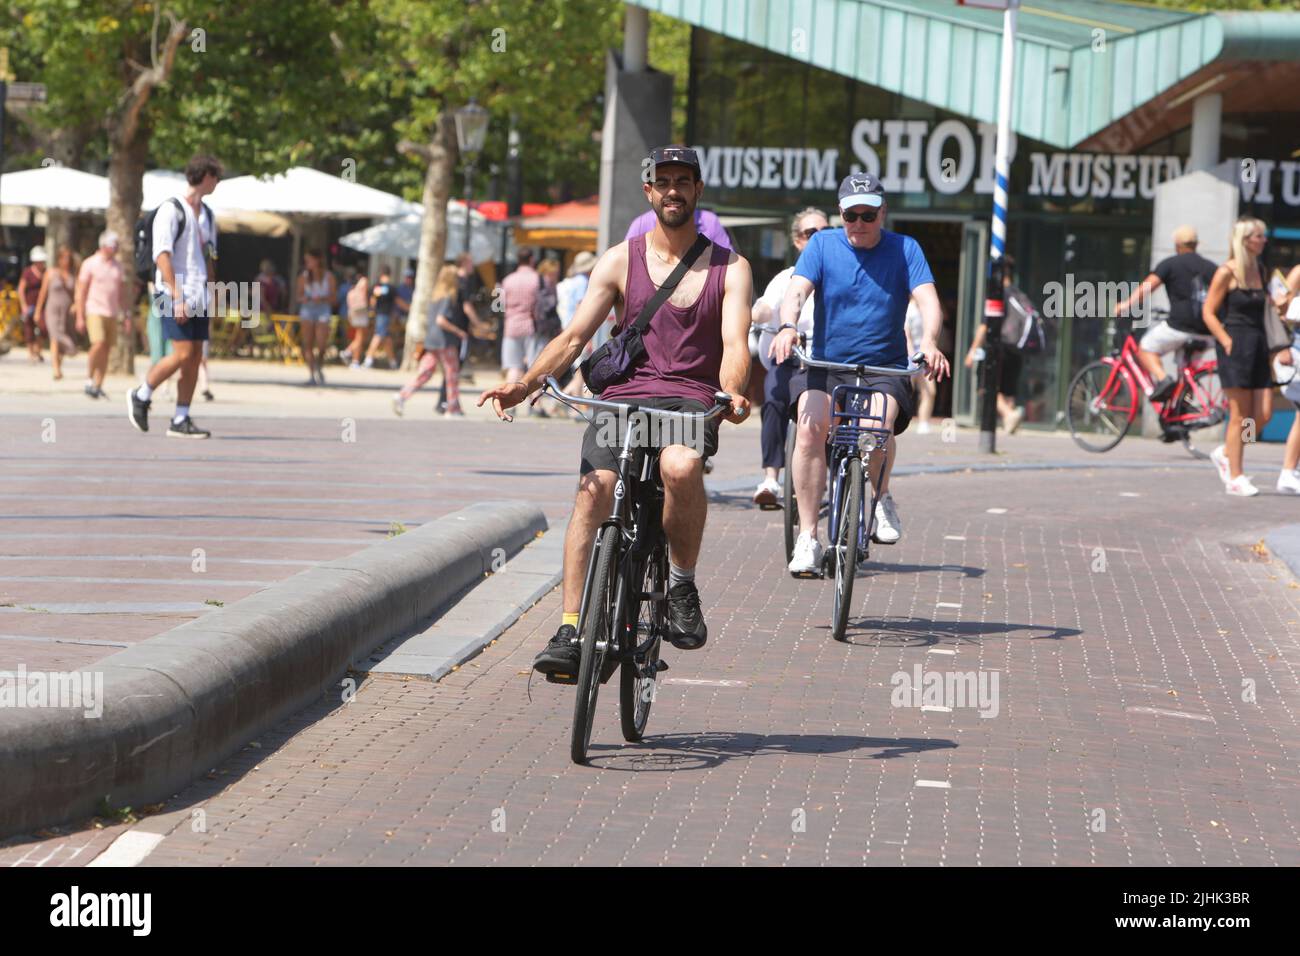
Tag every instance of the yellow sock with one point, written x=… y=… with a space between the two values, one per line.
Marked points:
x=570 y=619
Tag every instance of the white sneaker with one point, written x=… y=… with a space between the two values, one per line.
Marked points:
x=1288 y=482
x=807 y=555
x=768 y=494
x=1014 y=419
x=1241 y=487
x=923 y=428
x=1221 y=462
x=888 y=528
x=399 y=405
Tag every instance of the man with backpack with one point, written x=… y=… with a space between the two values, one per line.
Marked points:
x=1022 y=335
x=182 y=240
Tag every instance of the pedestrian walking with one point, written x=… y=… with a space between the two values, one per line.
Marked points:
x=1021 y=328
x=383 y=299
x=442 y=346
x=99 y=303
x=184 y=247
x=568 y=296
x=1234 y=313
x=519 y=292
x=316 y=293
x=775 y=413
x=29 y=288
x=54 y=305
x=357 y=304
x=1288 y=304
x=925 y=388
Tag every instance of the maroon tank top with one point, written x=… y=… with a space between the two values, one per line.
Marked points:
x=683 y=345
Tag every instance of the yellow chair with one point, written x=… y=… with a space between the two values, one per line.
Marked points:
x=285 y=325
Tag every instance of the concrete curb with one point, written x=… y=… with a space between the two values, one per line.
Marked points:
x=177 y=704
x=480 y=617
x=1284 y=542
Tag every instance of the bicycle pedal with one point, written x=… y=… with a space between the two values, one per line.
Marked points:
x=809 y=575
x=661 y=665
x=561 y=678
x=769 y=507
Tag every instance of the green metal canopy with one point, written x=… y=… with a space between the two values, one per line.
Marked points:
x=1088 y=73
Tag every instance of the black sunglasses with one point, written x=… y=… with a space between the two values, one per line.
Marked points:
x=809 y=233
x=855 y=216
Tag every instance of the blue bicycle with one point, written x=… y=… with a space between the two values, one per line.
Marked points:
x=857 y=431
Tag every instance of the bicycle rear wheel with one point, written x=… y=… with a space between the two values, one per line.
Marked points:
x=638 y=680
x=1208 y=406
x=846 y=546
x=1099 y=410
x=599 y=618
x=791 y=517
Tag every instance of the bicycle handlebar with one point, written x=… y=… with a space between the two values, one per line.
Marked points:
x=721 y=402
x=918 y=364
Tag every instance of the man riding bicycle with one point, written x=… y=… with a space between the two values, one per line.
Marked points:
x=697 y=343
x=1187 y=276
x=863 y=276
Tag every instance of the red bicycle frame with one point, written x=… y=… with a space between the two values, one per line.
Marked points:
x=1125 y=366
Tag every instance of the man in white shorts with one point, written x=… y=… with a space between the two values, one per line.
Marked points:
x=1186 y=276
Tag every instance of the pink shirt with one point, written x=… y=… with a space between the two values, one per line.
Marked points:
x=104 y=293
x=519 y=289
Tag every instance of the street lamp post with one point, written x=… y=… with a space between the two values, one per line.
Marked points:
x=471 y=130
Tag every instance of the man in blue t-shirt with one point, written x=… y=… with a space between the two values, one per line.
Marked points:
x=863 y=277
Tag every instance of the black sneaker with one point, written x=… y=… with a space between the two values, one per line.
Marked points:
x=137 y=410
x=207 y=395
x=1163 y=389
x=560 y=658
x=686 y=630
x=186 y=428
x=89 y=390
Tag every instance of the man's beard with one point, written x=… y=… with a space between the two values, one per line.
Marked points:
x=672 y=220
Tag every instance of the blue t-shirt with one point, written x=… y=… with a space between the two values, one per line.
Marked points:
x=861 y=296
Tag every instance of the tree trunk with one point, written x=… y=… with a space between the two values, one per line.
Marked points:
x=125 y=196
x=440 y=157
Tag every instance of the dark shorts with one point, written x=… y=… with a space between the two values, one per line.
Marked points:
x=193 y=329
x=602 y=442
x=1009 y=372
x=1248 y=366
x=824 y=380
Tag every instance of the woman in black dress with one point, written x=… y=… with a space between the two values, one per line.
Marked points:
x=1234 y=314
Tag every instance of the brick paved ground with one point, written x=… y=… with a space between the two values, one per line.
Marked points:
x=1123 y=733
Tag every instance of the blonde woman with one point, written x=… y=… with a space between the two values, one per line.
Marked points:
x=441 y=346
x=1234 y=314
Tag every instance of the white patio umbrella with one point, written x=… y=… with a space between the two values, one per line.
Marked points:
x=308 y=192
x=55 y=187
x=400 y=237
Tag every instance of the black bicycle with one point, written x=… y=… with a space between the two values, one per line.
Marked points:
x=856 y=431
x=624 y=613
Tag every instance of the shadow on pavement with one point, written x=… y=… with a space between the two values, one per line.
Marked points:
x=921 y=632
x=708 y=750
x=872 y=568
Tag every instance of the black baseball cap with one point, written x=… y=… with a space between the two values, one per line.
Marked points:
x=681 y=155
x=861 y=189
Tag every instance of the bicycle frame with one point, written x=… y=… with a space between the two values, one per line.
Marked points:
x=1126 y=366
x=850 y=407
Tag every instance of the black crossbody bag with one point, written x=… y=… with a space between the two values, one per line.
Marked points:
x=614 y=361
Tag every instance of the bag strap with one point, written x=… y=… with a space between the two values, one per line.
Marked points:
x=651 y=307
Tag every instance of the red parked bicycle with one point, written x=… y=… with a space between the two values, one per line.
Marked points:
x=1106 y=396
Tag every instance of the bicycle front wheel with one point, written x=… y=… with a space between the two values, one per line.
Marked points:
x=1100 y=407
x=1203 y=413
x=791 y=517
x=846 y=546
x=638 y=679
x=599 y=618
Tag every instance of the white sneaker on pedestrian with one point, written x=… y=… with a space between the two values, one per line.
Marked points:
x=1288 y=482
x=354 y=366
x=923 y=428
x=399 y=405
x=368 y=363
x=1241 y=487
x=768 y=494
x=1221 y=462
x=807 y=555
x=888 y=528
x=1014 y=419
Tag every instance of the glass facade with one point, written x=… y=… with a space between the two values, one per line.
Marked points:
x=768 y=126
